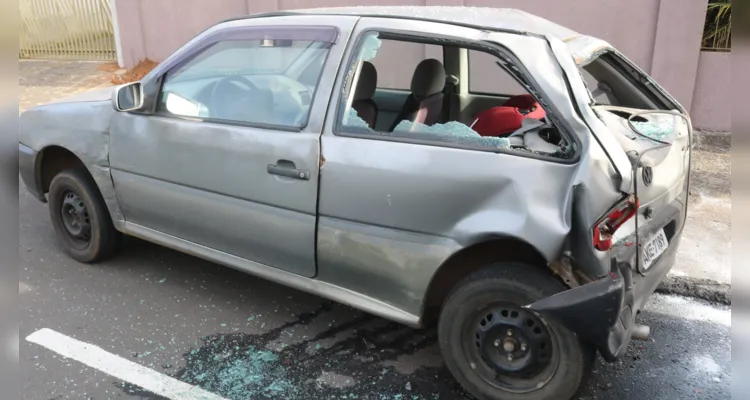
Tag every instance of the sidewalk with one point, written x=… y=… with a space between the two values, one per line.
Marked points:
x=703 y=266
x=43 y=81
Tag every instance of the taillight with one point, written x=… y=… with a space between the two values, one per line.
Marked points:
x=606 y=227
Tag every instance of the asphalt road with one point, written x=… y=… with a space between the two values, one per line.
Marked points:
x=241 y=337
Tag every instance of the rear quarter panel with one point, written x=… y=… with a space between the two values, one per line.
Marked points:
x=391 y=213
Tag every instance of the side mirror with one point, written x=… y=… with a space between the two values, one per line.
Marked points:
x=128 y=97
x=658 y=130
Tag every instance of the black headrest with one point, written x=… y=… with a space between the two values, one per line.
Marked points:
x=428 y=78
x=368 y=81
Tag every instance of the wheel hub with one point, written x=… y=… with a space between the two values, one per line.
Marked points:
x=75 y=217
x=513 y=341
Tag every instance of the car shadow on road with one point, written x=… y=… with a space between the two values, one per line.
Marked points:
x=332 y=351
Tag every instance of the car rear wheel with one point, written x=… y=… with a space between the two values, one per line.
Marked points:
x=498 y=350
x=80 y=217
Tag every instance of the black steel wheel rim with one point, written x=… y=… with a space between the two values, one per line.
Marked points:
x=75 y=218
x=510 y=347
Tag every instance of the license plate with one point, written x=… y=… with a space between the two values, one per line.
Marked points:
x=654 y=248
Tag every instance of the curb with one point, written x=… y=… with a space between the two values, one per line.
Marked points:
x=713 y=141
x=704 y=289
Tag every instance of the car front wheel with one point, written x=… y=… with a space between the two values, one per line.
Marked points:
x=499 y=350
x=80 y=217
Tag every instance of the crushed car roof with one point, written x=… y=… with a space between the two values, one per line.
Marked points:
x=482 y=17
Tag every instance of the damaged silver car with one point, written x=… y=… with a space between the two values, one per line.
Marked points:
x=519 y=184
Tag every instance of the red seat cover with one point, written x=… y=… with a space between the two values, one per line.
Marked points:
x=507 y=118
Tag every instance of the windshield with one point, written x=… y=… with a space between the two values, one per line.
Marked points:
x=246 y=57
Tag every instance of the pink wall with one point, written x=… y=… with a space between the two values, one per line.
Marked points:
x=167 y=24
x=677 y=47
x=661 y=36
x=711 y=106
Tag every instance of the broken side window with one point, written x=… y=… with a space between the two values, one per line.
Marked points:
x=371 y=109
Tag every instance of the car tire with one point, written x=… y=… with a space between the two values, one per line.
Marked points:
x=80 y=217
x=498 y=350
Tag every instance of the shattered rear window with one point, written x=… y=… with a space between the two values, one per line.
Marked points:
x=656 y=130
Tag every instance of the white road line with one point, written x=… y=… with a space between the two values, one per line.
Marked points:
x=119 y=367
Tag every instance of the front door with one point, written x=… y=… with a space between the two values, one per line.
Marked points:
x=228 y=159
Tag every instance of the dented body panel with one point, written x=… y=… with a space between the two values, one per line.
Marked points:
x=376 y=218
x=416 y=205
x=79 y=124
x=603 y=312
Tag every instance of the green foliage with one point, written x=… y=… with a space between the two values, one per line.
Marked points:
x=717 y=31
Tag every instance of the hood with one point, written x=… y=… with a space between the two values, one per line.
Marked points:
x=72 y=123
x=99 y=94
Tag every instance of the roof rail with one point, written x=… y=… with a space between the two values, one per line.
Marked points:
x=415 y=18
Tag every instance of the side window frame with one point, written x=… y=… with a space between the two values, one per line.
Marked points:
x=346 y=69
x=153 y=88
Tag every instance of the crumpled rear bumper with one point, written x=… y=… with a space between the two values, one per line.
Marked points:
x=603 y=312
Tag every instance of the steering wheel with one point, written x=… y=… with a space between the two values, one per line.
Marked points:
x=218 y=99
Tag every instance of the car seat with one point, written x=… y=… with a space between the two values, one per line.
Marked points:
x=366 y=85
x=425 y=103
x=507 y=118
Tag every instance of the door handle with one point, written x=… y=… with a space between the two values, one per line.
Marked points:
x=287 y=169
